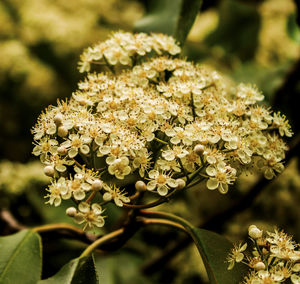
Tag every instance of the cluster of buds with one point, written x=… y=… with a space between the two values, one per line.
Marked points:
x=154 y=123
x=274 y=258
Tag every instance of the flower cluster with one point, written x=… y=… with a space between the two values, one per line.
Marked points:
x=275 y=257
x=162 y=123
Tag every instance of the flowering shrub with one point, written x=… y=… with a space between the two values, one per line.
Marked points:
x=152 y=124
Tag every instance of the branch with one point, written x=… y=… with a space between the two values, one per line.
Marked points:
x=102 y=241
x=66 y=231
x=51 y=231
x=216 y=222
x=12 y=225
x=155 y=221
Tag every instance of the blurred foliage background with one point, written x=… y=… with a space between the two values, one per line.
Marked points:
x=40 y=43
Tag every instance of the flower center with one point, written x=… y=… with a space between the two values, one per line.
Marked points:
x=161 y=179
x=75 y=185
x=76 y=142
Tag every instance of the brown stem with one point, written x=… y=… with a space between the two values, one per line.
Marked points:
x=11 y=223
x=155 y=221
x=149 y=205
x=91 y=197
x=102 y=241
x=55 y=227
x=62 y=230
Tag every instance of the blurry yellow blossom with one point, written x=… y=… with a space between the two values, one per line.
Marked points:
x=274 y=42
x=17 y=177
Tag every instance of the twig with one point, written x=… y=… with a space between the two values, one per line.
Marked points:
x=66 y=231
x=155 y=221
x=159 y=201
x=55 y=227
x=52 y=230
x=9 y=219
x=101 y=241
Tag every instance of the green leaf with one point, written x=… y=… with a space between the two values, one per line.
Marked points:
x=80 y=270
x=21 y=259
x=111 y=272
x=173 y=17
x=293 y=29
x=238 y=29
x=214 y=250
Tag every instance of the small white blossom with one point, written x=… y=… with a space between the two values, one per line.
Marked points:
x=160 y=181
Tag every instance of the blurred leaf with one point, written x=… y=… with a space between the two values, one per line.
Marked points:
x=293 y=29
x=173 y=17
x=297 y=3
x=238 y=29
x=214 y=250
x=111 y=272
x=77 y=271
x=21 y=259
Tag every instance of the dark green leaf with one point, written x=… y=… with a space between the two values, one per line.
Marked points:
x=77 y=271
x=173 y=17
x=238 y=29
x=293 y=29
x=20 y=260
x=111 y=272
x=214 y=250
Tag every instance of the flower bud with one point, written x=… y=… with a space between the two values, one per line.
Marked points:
x=71 y=211
x=254 y=232
x=62 y=150
x=259 y=266
x=140 y=186
x=97 y=185
x=58 y=119
x=107 y=196
x=199 y=149
x=296 y=267
x=180 y=183
x=49 y=171
x=62 y=131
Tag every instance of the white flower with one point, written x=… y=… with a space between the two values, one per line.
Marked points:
x=120 y=167
x=236 y=254
x=249 y=94
x=45 y=147
x=89 y=214
x=76 y=143
x=160 y=181
x=220 y=176
x=113 y=192
x=57 y=190
x=178 y=134
x=78 y=188
x=174 y=152
x=270 y=167
x=282 y=124
x=142 y=161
